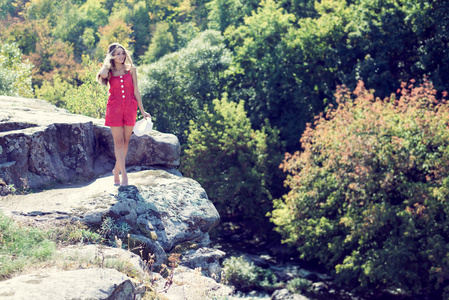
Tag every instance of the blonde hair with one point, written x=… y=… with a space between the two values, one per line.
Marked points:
x=109 y=61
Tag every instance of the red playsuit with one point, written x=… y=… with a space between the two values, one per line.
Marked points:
x=122 y=104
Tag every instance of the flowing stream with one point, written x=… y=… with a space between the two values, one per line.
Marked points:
x=281 y=260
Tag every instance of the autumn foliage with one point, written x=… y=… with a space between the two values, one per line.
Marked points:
x=368 y=193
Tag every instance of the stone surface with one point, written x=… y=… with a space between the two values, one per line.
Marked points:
x=285 y=294
x=41 y=144
x=205 y=258
x=103 y=283
x=187 y=282
x=163 y=209
x=94 y=283
x=94 y=253
x=190 y=284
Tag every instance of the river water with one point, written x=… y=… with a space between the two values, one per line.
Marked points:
x=284 y=262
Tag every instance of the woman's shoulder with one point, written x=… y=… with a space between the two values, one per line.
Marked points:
x=131 y=68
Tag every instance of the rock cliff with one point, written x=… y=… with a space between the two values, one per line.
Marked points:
x=41 y=144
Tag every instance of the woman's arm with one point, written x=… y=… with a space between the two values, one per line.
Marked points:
x=104 y=72
x=137 y=93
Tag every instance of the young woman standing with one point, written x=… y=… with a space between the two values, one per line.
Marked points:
x=124 y=98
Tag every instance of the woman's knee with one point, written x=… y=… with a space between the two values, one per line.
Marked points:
x=119 y=143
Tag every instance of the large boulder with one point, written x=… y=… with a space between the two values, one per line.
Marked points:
x=205 y=258
x=41 y=144
x=162 y=209
x=96 y=283
x=166 y=208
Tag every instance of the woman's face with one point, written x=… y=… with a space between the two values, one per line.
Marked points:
x=119 y=56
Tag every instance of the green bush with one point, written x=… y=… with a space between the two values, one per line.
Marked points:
x=115 y=232
x=298 y=285
x=54 y=91
x=240 y=273
x=89 y=98
x=369 y=191
x=245 y=275
x=235 y=164
x=15 y=74
x=176 y=87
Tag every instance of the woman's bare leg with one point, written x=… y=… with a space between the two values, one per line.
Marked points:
x=121 y=136
x=119 y=151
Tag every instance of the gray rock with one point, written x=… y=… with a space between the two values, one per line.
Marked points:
x=205 y=258
x=285 y=294
x=163 y=209
x=190 y=284
x=79 y=284
x=41 y=144
x=105 y=254
x=320 y=287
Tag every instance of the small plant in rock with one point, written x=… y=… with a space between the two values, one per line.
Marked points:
x=113 y=231
x=165 y=271
x=298 y=285
x=70 y=232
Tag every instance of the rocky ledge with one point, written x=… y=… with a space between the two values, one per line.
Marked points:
x=41 y=144
x=159 y=210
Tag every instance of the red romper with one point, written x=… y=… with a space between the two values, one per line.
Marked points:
x=122 y=104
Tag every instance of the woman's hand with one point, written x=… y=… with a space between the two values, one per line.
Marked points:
x=104 y=72
x=107 y=62
x=146 y=115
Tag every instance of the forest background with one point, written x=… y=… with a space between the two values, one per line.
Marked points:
x=240 y=81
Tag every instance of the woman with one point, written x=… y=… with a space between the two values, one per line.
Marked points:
x=124 y=97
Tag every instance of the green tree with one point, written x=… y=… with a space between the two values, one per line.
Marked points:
x=161 y=44
x=15 y=74
x=300 y=8
x=223 y=13
x=70 y=25
x=51 y=56
x=95 y=16
x=184 y=34
x=176 y=88
x=11 y=8
x=233 y=162
x=264 y=70
x=43 y=10
x=116 y=31
x=89 y=98
x=141 y=27
x=428 y=20
x=20 y=32
x=368 y=192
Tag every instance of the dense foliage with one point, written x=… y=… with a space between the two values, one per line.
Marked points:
x=245 y=276
x=15 y=74
x=233 y=162
x=280 y=60
x=286 y=57
x=176 y=88
x=369 y=191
